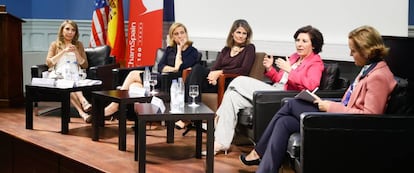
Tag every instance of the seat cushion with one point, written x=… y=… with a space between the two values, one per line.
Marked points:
x=257 y=70
x=210 y=99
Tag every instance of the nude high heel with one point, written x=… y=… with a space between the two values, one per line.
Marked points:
x=86 y=106
x=86 y=117
x=217 y=148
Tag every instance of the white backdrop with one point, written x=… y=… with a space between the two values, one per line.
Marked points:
x=274 y=21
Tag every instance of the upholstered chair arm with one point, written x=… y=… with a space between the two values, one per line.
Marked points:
x=221 y=85
x=103 y=73
x=185 y=73
x=37 y=70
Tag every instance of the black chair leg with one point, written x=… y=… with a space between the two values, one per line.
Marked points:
x=188 y=128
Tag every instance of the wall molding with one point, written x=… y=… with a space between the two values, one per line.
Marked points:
x=330 y=51
x=39 y=33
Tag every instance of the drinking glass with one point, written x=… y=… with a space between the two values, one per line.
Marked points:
x=193 y=92
x=153 y=81
x=82 y=74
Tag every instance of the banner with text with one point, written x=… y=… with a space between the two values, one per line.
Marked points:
x=144 y=32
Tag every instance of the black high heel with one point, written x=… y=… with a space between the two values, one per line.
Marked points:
x=191 y=126
x=112 y=116
x=248 y=162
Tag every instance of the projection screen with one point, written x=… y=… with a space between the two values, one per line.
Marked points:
x=275 y=21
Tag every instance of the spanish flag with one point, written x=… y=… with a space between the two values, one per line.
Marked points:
x=116 y=31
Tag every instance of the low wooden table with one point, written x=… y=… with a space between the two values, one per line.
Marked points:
x=119 y=96
x=36 y=93
x=148 y=112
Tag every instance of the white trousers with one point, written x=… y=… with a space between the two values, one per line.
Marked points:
x=238 y=95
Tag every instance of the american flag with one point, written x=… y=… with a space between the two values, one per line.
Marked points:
x=99 y=23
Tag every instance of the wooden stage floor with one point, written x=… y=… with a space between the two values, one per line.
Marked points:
x=104 y=154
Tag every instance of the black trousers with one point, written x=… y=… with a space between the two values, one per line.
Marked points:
x=198 y=76
x=273 y=143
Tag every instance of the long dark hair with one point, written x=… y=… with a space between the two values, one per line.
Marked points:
x=236 y=24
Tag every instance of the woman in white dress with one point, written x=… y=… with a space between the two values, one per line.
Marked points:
x=68 y=48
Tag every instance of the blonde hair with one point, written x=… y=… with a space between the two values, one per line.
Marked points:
x=60 y=40
x=368 y=42
x=174 y=26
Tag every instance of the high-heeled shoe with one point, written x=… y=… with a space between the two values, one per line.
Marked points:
x=86 y=106
x=112 y=116
x=217 y=148
x=248 y=162
x=87 y=118
x=180 y=125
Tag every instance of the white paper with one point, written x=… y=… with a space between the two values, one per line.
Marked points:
x=159 y=103
x=63 y=83
x=136 y=91
x=88 y=82
x=43 y=82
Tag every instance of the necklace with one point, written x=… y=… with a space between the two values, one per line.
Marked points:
x=235 y=50
x=299 y=61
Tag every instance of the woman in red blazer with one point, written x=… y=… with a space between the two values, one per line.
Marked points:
x=368 y=95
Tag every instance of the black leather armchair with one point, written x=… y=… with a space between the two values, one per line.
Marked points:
x=100 y=65
x=344 y=143
x=252 y=122
x=350 y=134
